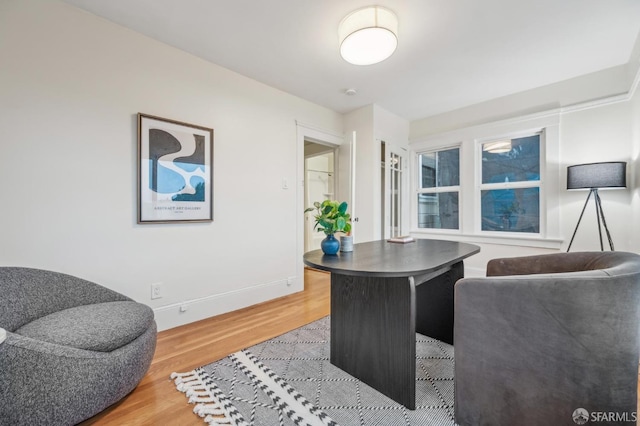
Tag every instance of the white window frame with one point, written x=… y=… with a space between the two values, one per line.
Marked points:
x=438 y=189
x=469 y=141
x=511 y=185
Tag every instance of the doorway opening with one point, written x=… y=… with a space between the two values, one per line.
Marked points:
x=319 y=185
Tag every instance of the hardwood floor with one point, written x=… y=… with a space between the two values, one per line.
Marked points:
x=157 y=402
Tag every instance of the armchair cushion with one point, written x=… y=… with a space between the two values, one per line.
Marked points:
x=100 y=327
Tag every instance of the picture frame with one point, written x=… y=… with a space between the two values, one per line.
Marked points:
x=175 y=171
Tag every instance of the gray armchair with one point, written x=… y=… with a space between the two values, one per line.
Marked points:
x=542 y=336
x=71 y=347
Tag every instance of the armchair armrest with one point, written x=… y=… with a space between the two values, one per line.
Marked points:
x=29 y=294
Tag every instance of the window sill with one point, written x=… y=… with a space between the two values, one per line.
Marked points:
x=506 y=240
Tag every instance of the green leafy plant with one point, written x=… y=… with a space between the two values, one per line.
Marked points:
x=331 y=217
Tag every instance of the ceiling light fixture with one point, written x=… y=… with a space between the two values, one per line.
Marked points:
x=368 y=36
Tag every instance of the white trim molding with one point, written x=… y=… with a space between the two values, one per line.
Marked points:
x=314 y=134
x=188 y=311
x=609 y=100
x=317 y=134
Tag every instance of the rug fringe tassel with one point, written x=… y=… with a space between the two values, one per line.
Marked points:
x=205 y=409
x=207 y=406
x=213 y=414
x=191 y=373
x=196 y=393
x=198 y=399
x=216 y=421
x=188 y=383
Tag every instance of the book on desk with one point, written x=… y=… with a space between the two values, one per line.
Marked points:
x=402 y=239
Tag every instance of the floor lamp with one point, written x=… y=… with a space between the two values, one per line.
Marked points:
x=593 y=176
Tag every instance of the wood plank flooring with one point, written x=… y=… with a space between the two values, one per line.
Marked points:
x=157 y=402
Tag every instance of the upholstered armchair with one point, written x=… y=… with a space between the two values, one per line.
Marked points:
x=543 y=336
x=69 y=348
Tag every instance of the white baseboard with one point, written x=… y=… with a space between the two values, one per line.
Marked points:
x=188 y=311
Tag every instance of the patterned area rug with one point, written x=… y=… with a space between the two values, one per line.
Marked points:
x=289 y=380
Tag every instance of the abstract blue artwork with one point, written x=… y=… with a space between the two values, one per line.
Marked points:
x=175 y=171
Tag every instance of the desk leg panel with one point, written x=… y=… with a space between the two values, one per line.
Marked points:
x=434 y=301
x=373 y=333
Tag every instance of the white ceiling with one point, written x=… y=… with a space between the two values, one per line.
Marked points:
x=451 y=53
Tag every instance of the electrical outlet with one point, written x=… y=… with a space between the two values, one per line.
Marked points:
x=156 y=290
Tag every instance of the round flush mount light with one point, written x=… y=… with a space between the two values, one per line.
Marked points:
x=368 y=36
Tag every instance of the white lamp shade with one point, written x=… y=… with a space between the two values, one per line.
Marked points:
x=368 y=36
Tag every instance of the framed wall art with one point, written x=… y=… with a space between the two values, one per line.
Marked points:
x=175 y=171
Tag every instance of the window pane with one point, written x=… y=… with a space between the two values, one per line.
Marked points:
x=441 y=168
x=511 y=210
x=514 y=160
x=438 y=210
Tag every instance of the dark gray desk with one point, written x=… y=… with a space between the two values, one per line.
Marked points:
x=381 y=295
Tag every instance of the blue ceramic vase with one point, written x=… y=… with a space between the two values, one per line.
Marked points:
x=330 y=245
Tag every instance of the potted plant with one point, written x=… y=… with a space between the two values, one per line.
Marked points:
x=331 y=217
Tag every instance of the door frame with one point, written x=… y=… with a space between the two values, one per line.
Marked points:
x=324 y=137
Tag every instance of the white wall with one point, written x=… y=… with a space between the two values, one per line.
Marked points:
x=361 y=121
x=390 y=127
x=590 y=136
x=581 y=89
x=71 y=85
x=372 y=125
